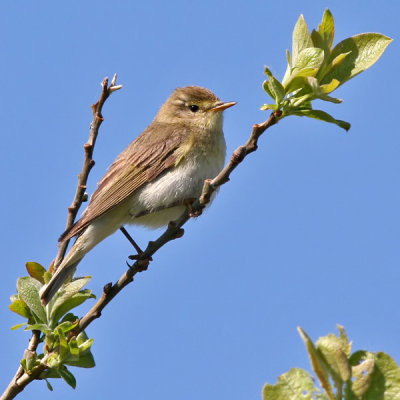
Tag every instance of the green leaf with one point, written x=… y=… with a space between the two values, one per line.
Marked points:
x=20 y=307
x=71 y=288
x=318 y=363
x=317 y=39
x=364 y=50
x=28 y=290
x=269 y=107
x=326 y=29
x=48 y=385
x=66 y=292
x=330 y=87
x=67 y=376
x=345 y=341
x=301 y=38
x=311 y=57
x=334 y=351
x=339 y=59
x=63 y=349
x=38 y=327
x=59 y=310
x=318 y=91
x=15 y=327
x=23 y=364
x=36 y=271
x=69 y=317
x=375 y=376
x=288 y=58
x=31 y=361
x=289 y=66
x=85 y=346
x=299 y=81
x=85 y=361
x=46 y=277
x=300 y=101
x=82 y=338
x=275 y=86
x=73 y=347
x=49 y=373
x=266 y=87
x=67 y=326
x=53 y=361
x=322 y=116
x=308 y=64
x=295 y=384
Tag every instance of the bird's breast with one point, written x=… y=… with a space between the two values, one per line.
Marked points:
x=158 y=199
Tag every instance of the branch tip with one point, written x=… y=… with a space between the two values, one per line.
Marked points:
x=114 y=88
x=104 y=82
x=113 y=80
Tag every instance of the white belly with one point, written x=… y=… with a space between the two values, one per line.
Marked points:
x=182 y=183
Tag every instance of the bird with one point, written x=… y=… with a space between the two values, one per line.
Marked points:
x=155 y=178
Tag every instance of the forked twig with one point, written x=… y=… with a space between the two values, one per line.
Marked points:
x=88 y=162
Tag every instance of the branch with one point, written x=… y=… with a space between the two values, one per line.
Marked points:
x=88 y=162
x=21 y=378
x=174 y=229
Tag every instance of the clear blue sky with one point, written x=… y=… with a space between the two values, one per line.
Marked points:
x=306 y=233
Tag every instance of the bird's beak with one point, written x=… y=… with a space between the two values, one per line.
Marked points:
x=222 y=106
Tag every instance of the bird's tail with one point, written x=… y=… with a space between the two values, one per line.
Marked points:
x=63 y=273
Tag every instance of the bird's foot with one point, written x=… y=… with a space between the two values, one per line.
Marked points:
x=139 y=265
x=134 y=244
x=189 y=204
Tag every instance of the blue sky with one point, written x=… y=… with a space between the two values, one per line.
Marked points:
x=306 y=233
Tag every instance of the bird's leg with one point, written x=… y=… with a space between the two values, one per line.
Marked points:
x=131 y=241
x=146 y=261
x=189 y=203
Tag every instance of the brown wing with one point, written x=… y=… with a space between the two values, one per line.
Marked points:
x=142 y=161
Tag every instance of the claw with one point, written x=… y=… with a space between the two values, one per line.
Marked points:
x=139 y=265
x=189 y=204
x=137 y=256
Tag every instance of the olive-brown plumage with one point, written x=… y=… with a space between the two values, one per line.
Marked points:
x=152 y=179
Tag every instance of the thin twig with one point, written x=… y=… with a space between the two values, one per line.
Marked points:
x=88 y=162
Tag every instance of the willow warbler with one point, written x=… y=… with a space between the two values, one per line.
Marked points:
x=154 y=177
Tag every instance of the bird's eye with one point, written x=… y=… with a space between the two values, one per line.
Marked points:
x=194 y=108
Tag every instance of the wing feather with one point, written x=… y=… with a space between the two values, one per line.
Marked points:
x=142 y=161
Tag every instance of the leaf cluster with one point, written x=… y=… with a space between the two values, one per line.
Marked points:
x=342 y=375
x=316 y=68
x=62 y=346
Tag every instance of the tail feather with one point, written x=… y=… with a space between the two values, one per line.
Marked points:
x=62 y=274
